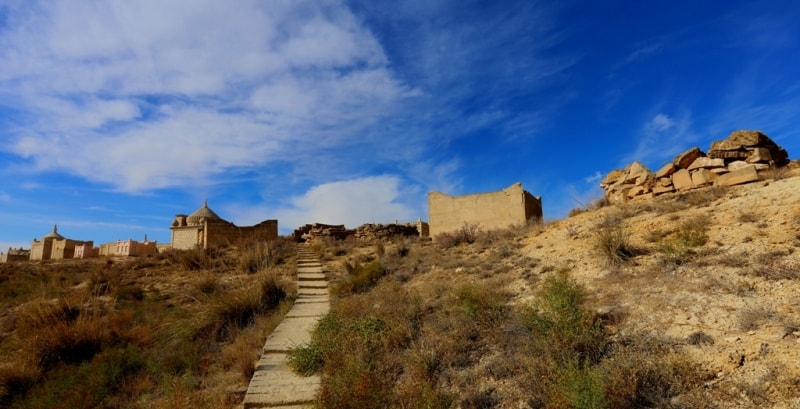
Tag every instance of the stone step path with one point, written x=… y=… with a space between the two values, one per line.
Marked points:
x=274 y=384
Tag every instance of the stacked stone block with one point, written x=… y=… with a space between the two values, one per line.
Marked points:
x=733 y=161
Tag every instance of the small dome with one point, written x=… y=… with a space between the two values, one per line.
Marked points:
x=199 y=214
x=54 y=234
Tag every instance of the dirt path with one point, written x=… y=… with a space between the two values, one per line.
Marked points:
x=274 y=384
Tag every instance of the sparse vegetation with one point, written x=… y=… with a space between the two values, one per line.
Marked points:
x=134 y=333
x=613 y=241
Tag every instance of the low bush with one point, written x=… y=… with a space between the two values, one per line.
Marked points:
x=613 y=241
x=70 y=331
x=679 y=247
x=466 y=234
x=192 y=259
x=360 y=278
x=231 y=310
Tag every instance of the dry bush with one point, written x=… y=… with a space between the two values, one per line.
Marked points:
x=193 y=259
x=748 y=217
x=679 y=247
x=227 y=311
x=751 y=319
x=779 y=270
x=16 y=379
x=68 y=330
x=466 y=234
x=647 y=373
x=613 y=241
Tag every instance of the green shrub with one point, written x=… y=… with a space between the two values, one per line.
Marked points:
x=560 y=325
x=305 y=360
x=361 y=278
x=690 y=234
x=484 y=304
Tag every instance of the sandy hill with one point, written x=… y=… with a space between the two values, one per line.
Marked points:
x=711 y=274
x=740 y=287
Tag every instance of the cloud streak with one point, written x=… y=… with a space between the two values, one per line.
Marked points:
x=149 y=95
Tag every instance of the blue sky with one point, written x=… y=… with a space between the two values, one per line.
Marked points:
x=116 y=115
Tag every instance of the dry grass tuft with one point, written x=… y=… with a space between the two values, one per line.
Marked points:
x=614 y=242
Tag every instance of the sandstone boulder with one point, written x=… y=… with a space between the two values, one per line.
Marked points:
x=612 y=177
x=682 y=180
x=748 y=138
x=703 y=177
x=685 y=159
x=705 y=162
x=738 y=164
x=666 y=171
x=759 y=155
x=753 y=146
x=737 y=177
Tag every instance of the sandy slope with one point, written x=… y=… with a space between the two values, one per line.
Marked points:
x=754 y=322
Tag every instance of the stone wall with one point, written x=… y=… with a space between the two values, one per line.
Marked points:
x=205 y=229
x=15 y=255
x=495 y=210
x=187 y=237
x=222 y=233
x=735 y=160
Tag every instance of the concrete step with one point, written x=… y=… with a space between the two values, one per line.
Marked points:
x=274 y=384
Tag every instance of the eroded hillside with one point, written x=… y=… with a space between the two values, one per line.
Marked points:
x=696 y=294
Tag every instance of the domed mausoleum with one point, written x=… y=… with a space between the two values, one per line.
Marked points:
x=204 y=228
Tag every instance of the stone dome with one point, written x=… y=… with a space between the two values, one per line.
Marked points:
x=199 y=214
x=54 y=234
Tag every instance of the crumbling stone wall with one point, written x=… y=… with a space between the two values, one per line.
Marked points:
x=735 y=160
x=494 y=210
x=205 y=229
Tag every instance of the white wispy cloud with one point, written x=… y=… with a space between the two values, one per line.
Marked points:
x=596 y=177
x=661 y=138
x=373 y=199
x=157 y=94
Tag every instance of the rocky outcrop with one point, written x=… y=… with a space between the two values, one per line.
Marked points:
x=735 y=160
x=366 y=233
x=319 y=231
x=374 y=232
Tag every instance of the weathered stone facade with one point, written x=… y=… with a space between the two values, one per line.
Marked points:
x=489 y=211
x=86 y=250
x=205 y=229
x=12 y=255
x=53 y=246
x=129 y=248
x=735 y=160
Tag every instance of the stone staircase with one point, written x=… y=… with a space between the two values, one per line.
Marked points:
x=273 y=383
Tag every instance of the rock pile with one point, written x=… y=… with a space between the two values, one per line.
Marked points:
x=735 y=160
x=319 y=231
x=366 y=233
x=373 y=232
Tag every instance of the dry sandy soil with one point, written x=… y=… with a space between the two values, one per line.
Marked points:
x=729 y=288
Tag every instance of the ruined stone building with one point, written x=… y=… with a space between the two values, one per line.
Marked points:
x=205 y=229
x=494 y=210
x=86 y=250
x=12 y=255
x=129 y=248
x=54 y=246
